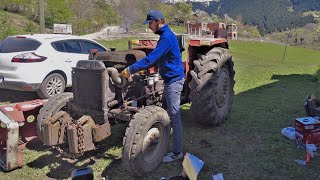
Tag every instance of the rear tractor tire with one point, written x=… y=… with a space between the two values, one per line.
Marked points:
x=212 y=87
x=146 y=140
x=52 y=107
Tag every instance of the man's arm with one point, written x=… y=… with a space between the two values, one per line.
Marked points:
x=150 y=60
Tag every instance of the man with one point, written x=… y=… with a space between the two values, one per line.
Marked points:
x=168 y=58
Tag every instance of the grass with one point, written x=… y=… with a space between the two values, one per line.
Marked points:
x=269 y=94
x=119 y=44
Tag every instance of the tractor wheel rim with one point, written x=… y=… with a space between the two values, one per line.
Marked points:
x=54 y=86
x=152 y=143
x=222 y=89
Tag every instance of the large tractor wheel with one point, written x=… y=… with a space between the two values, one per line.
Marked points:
x=53 y=106
x=146 y=140
x=212 y=87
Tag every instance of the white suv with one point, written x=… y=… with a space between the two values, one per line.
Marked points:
x=42 y=62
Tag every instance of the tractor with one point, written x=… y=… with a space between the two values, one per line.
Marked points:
x=101 y=97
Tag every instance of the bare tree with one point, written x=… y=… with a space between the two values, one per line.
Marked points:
x=83 y=11
x=83 y=8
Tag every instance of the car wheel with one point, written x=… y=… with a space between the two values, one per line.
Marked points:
x=52 y=85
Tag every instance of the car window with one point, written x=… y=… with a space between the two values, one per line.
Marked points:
x=72 y=46
x=18 y=44
x=87 y=46
x=58 y=46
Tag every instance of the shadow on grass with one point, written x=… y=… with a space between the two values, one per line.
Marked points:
x=12 y=96
x=61 y=166
x=248 y=146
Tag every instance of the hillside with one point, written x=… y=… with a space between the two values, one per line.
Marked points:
x=12 y=24
x=254 y=18
x=269 y=16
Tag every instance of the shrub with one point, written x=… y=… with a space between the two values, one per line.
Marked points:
x=6 y=29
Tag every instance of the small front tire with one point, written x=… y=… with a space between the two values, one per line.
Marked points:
x=50 y=108
x=146 y=140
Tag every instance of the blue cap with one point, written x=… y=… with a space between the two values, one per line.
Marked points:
x=153 y=15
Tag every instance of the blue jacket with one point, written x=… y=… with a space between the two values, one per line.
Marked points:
x=166 y=55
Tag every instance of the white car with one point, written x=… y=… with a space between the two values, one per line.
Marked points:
x=42 y=62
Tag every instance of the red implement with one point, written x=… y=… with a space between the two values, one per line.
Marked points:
x=18 y=127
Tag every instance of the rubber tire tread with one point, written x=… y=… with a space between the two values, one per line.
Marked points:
x=54 y=105
x=204 y=108
x=132 y=141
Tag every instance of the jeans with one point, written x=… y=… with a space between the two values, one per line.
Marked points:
x=172 y=93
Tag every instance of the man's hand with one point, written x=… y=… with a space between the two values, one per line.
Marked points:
x=125 y=73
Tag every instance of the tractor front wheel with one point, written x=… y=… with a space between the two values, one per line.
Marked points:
x=50 y=108
x=146 y=140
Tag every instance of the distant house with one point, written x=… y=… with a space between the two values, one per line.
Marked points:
x=213 y=29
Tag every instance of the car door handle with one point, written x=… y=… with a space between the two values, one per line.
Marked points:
x=68 y=61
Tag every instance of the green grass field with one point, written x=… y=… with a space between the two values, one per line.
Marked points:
x=269 y=94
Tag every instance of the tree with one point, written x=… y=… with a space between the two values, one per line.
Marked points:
x=15 y=6
x=182 y=10
x=57 y=11
x=41 y=16
x=239 y=21
x=166 y=9
x=106 y=13
x=6 y=29
x=202 y=16
x=82 y=9
x=215 y=18
x=228 y=19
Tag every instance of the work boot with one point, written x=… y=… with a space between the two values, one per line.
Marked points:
x=171 y=156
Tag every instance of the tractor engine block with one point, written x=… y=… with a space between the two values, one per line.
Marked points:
x=98 y=86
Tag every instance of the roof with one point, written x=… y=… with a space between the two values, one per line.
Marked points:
x=50 y=37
